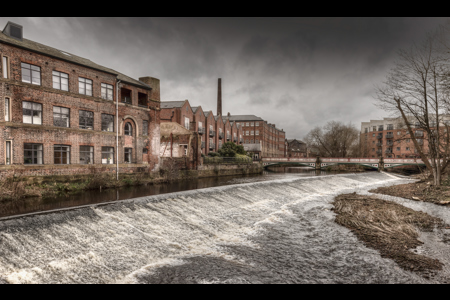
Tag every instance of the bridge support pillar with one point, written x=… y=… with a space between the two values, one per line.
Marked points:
x=318 y=163
x=381 y=164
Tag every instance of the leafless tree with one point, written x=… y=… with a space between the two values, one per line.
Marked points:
x=335 y=139
x=416 y=91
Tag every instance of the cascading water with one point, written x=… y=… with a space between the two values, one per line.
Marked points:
x=262 y=232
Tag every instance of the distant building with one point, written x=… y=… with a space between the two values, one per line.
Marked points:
x=296 y=148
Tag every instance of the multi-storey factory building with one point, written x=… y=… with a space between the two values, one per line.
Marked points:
x=64 y=114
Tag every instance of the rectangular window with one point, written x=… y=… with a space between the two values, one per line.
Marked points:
x=61 y=116
x=398 y=148
x=85 y=86
x=61 y=154
x=32 y=113
x=251 y=132
x=247 y=132
x=142 y=100
x=374 y=128
x=107 y=122
x=8 y=153
x=200 y=125
x=186 y=122
x=31 y=74
x=60 y=81
x=86 y=155
x=247 y=124
x=107 y=155
x=407 y=148
x=86 y=119
x=257 y=132
x=7 y=109
x=32 y=154
x=144 y=127
x=128 y=152
x=107 y=91
x=5 y=66
x=257 y=124
x=211 y=128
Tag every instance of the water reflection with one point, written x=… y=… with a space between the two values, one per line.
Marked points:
x=106 y=195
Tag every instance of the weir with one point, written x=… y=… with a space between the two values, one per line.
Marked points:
x=129 y=240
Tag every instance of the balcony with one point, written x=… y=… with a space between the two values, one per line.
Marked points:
x=419 y=141
x=212 y=146
x=212 y=133
x=388 y=151
x=220 y=135
x=379 y=137
x=418 y=134
x=201 y=130
x=389 y=143
x=379 y=152
x=379 y=144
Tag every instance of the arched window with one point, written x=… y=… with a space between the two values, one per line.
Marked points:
x=128 y=129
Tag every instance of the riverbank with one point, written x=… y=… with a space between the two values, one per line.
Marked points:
x=18 y=187
x=422 y=190
x=390 y=228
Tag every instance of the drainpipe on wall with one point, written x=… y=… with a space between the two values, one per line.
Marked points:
x=117 y=130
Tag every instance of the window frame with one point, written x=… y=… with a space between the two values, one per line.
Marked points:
x=5 y=67
x=85 y=123
x=85 y=83
x=106 y=150
x=128 y=131
x=32 y=112
x=145 y=127
x=9 y=152
x=32 y=153
x=90 y=154
x=7 y=104
x=103 y=122
x=128 y=151
x=59 y=76
x=61 y=151
x=59 y=116
x=31 y=81
x=109 y=91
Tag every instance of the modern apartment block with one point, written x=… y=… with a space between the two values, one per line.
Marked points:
x=390 y=138
x=64 y=114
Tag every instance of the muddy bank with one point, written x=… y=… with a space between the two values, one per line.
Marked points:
x=390 y=228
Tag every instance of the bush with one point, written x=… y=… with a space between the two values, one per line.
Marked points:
x=213 y=154
x=230 y=149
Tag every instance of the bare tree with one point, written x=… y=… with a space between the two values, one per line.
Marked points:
x=335 y=139
x=416 y=91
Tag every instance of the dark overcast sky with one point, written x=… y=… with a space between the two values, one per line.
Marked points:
x=295 y=72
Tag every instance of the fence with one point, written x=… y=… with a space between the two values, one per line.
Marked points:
x=227 y=160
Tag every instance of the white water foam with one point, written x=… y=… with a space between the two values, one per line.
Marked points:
x=121 y=241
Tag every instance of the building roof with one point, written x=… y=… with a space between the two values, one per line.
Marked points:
x=172 y=104
x=243 y=118
x=66 y=56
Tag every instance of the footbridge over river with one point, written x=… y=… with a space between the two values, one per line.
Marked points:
x=321 y=163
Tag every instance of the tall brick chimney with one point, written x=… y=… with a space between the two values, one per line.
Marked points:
x=219 y=97
x=155 y=93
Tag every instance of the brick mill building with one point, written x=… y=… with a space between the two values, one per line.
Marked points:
x=296 y=148
x=64 y=114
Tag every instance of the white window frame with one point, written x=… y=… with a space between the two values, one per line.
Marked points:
x=85 y=82
x=32 y=71
x=7 y=109
x=32 y=109
x=5 y=67
x=200 y=125
x=186 y=122
x=10 y=162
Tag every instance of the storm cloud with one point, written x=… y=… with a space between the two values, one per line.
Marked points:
x=297 y=73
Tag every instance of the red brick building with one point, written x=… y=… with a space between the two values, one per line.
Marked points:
x=389 y=138
x=296 y=148
x=64 y=114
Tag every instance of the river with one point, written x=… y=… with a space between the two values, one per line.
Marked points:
x=279 y=230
